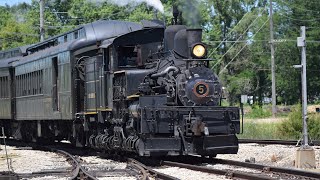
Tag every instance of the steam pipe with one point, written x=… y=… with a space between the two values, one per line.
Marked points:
x=165 y=72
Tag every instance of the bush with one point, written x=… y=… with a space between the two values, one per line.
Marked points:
x=258 y=112
x=292 y=127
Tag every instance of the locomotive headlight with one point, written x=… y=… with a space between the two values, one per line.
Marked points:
x=199 y=51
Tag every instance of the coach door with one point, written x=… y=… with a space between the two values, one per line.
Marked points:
x=55 y=73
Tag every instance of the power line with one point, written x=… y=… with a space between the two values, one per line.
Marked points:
x=235 y=42
x=231 y=31
x=304 y=9
x=238 y=38
x=301 y=20
x=243 y=47
x=249 y=41
x=240 y=41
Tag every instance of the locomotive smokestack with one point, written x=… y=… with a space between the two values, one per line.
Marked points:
x=175 y=13
x=177 y=16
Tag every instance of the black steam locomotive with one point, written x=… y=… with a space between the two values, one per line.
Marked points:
x=118 y=86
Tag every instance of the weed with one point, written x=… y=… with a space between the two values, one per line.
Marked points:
x=258 y=112
x=292 y=127
x=254 y=130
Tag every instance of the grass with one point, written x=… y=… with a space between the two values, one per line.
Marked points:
x=254 y=130
x=288 y=129
x=257 y=112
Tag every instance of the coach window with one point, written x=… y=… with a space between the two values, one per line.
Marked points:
x=1 y=86
x=32 y=82
x=75 y=35
x=82 y=33
x=65 y=38
x=60 y=40
x=29 y=83
x=36 y=82
x=70 y=37
x=40 y=82
x=21 y=87
x=33 y=91
x=4 y=87
x=55 y=75
x=24 y=85
x=17 y=85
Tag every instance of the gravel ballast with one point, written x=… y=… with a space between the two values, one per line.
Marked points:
x=27 y=161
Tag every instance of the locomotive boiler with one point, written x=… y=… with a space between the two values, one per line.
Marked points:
x=119 y=87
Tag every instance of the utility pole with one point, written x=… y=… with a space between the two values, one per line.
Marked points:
x=305 y=156
x=273 y=76
x=42 y=32
x=302 y=43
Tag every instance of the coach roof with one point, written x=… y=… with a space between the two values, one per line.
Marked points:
x=93 y=32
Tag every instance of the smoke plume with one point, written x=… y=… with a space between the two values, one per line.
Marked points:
x=190 y=12
x=153 y=3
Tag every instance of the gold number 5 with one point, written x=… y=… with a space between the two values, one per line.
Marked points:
x=201 y=89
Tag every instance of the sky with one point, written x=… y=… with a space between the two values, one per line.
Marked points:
x=12 y=2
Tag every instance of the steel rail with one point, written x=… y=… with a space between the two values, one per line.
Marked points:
x=228 y=173
x=79 y=171
x=264 y=168
x=281 y=142
x=149 y=170
x=12 y=175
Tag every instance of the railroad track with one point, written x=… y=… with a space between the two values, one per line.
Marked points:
x=281 y=142
x=149 y=172
x=257 y=171
x=83 y=170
